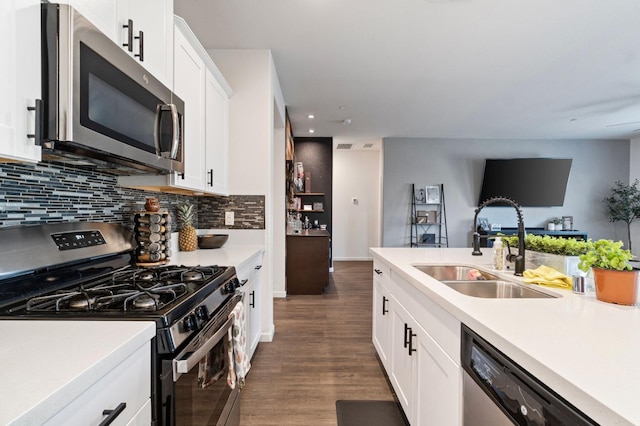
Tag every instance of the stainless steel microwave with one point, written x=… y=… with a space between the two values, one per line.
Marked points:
x=101 y=108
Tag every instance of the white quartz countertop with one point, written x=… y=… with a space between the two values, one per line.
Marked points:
x=586 y=350
x=44 y=365
x=236 y=256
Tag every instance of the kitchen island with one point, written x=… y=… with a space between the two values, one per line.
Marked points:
x=583 y=349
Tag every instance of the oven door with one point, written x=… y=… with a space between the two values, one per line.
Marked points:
x=201 y=394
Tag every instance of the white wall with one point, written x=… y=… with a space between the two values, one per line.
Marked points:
x=634 y=173
x=256 y=115
x=458 y=163
x=356 y=226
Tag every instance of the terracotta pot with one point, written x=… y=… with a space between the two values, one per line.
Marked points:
x=619 y=287
x=152 y=204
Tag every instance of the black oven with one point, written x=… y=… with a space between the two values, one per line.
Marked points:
x=195 y=383
x=100 y=105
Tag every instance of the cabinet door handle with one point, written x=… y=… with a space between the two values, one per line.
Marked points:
x=140 y=54
x=37 y=127
x=112 y=414
x=253 y=299
x=378 y=271
x=129 y=43
x=407 y=331
x=243 y=282
x=411 y=336
x=210 y=173
x=384 y=305
x=258 y=267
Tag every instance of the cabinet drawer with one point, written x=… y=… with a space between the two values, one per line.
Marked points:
x=250 y=268
x=382 y=273
x=129 y=382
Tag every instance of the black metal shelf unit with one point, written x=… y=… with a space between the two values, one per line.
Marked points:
x=428 y=217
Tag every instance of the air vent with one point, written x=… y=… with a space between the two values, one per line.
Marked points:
x=367 y=145
x=344 y=146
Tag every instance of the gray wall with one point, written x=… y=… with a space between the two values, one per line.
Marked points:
x=459 y=163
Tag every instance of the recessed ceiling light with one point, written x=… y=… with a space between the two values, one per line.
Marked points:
x=311 y=131
x=343 y=107
x=347 y=122
x=310 y=116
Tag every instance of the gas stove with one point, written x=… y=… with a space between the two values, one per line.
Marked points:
x=86 y=271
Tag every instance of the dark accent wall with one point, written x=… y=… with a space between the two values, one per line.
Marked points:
x=51 y=193
x=248 y=211
x=316 y=155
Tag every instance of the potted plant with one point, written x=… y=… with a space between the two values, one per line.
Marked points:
x=557 y=253
x=624 y=205
x=616 y=281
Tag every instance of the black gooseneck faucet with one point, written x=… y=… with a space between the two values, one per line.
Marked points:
x=519 y=258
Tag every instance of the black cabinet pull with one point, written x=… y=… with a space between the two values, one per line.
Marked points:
x=243 y=282
x=253 y=299
x=411 y=336
x=407 y=331
x=258 y=267
x=210 y=173
x=378 y=271
x=384 y=305
x=112 y=414
x=129 y=43
x=37 y=130
x=140 y=54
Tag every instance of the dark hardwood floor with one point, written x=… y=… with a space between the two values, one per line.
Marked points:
x=321 y=352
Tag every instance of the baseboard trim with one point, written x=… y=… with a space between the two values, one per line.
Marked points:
x=352 y=259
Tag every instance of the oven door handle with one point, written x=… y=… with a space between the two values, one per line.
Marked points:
x=181 y=366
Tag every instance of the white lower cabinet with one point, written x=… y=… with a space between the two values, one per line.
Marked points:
x=381 y=321
x=252 y=289
x=128 y=383
x=426 y=379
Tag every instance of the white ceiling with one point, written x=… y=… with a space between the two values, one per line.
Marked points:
x=515 y=69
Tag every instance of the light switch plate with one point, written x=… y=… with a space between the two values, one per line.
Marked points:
x=228 y=218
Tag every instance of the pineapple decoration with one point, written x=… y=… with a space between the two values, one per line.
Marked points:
x=187 y=238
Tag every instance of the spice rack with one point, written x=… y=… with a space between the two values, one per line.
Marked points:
x=153 y=234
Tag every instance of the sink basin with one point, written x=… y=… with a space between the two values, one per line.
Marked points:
x=454 y=272
x=495 y=289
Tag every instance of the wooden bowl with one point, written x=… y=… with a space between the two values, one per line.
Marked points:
x=212 y=241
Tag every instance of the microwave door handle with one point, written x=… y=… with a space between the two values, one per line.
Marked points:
x=181 y=366
x=175 y=134
x=175 y=142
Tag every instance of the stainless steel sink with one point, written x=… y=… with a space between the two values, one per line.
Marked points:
x=475 y=282
x=495 y=289
x=454 y=272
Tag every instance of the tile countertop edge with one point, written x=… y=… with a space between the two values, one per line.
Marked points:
x=556 y=340
x=65 y=373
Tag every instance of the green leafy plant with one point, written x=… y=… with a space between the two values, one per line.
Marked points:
x=623 y=205
x=556 y=221
x=553 y=245
x=606 y=254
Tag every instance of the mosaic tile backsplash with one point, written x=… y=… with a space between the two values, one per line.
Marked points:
x=51 y=193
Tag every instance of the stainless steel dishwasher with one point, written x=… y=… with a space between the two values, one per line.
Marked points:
x=497 y=391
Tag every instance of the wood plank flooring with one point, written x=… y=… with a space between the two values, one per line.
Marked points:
x=321 y=352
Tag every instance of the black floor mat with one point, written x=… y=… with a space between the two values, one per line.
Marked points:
x=369 y=413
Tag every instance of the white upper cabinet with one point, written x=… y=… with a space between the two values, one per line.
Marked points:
x=148 y=25
x=144 y=28
x=216 y=136
x=19 y=79
x=189 y=85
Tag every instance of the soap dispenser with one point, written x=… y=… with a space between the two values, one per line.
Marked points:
x=498 y=254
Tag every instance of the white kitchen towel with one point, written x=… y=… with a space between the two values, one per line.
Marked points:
x=239 y=361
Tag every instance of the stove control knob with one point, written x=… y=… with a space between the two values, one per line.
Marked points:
x=202 y=313
x=190 y=323
x=236 y=283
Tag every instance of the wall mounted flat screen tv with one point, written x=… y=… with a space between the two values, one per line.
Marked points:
x=530 y=182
